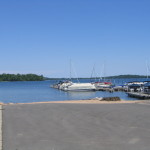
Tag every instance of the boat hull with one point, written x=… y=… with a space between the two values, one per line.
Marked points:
x=80 y=87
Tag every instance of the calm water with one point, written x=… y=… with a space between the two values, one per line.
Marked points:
x=38 y=91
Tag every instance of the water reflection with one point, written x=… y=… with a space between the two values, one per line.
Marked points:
x=81 y=94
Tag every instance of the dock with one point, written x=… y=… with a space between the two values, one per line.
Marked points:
x=139 y=95
x=111 y=89
x=104 y=89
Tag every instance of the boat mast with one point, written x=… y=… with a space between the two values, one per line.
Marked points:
x=71 y=66
x=147 y=68
x=93 y=73
x=103 y=72
x=76 y=75
x=70 y=70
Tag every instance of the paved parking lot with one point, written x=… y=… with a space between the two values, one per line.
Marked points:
x=0 y=127
x=76 y=127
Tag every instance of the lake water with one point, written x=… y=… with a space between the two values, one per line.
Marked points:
x=38 y=91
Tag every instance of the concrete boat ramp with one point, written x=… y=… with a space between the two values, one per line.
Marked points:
x=58 y=126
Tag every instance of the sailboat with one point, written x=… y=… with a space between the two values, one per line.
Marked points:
x=71 y=86
x=79 y=87
x=101 y=83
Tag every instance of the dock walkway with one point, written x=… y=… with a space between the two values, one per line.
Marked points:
x=139 y=95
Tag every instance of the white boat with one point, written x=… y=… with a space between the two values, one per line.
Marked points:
x=79 y=87
x=61 y=84
x=71 y=86
x=103 y=84
x=140 y=83
x=65 y=84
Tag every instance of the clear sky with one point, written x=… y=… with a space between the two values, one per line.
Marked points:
x=42 y=36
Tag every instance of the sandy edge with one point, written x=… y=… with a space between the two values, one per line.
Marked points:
x=93 y=101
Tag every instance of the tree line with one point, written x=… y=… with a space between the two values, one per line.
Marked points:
x=127 y=76
x=21 y=77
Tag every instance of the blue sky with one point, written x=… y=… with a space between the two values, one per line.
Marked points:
x=41 y=36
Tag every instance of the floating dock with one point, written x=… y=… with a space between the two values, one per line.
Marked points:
x=108 y=89
x=139 y=95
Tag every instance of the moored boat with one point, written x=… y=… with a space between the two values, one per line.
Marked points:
x=79 y=87
x=101 y=85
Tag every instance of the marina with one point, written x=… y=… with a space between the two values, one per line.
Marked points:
x=42 y=91
x=135 y=89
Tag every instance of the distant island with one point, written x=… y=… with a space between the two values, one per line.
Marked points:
x=127 y=76
x=21 y=77
x=108 y=77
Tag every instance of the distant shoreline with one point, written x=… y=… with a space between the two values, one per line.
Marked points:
x=108 y=77
x=34 y=77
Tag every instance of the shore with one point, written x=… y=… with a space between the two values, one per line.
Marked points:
x=91 y=101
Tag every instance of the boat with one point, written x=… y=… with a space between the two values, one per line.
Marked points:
x=135 y=86
x=65 y=84
x=139 y=89
x=146 y=88
x=61 y=84
x=103 y=85
x=71 y=86
x=79 y=87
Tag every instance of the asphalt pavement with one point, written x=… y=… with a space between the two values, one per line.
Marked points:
x=1 y=146
x=76 y=127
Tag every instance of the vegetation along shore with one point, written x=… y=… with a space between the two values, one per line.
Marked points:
x=21 y=77
x=35 y=77
x=108 y=77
